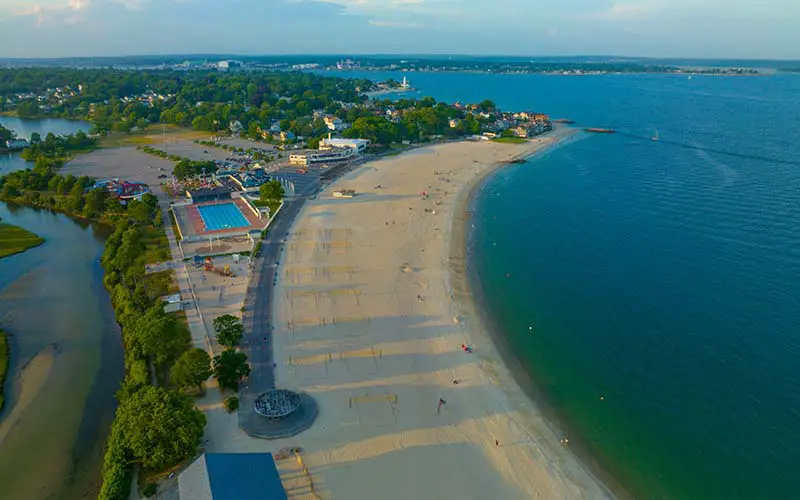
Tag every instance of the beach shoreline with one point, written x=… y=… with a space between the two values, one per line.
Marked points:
x=362 y=325
x=468 y=303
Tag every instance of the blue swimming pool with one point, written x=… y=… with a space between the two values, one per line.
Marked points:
x=223 y=216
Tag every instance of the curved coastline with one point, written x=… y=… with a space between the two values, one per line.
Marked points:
x=469 y=308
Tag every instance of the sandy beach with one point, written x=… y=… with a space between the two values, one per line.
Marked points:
x=372 y=310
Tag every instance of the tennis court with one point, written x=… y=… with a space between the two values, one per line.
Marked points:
x=222 y=216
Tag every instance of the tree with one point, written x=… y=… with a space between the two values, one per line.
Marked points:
x=229 y=330
x=272 y=190
x=192 y=368
x=161 y=428
x=230 y=367
x=95 y=201
x=156 y=334
x=231 y=404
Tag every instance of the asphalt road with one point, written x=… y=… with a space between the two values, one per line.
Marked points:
x=258 y=304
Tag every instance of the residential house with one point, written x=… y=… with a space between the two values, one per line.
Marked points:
x=335 y=123
x=522 y=131
x=236 y=126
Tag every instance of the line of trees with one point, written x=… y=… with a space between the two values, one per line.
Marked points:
x=57 y=147
x=42 y=187
x=155 y=426
x=211 y=101
x=203 y=100
x=6 y=135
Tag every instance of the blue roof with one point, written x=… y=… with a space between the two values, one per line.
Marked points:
x=244 y=476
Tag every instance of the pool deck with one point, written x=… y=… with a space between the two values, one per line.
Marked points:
x=198 y=228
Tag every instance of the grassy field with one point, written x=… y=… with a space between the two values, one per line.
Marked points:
x=511 y=140
x=14 y=239
x=152 y=135
x=157 y=245
x=4 y=355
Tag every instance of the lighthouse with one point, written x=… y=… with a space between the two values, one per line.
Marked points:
x=405 y=84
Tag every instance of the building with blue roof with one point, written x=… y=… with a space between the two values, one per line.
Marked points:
x=232 y=476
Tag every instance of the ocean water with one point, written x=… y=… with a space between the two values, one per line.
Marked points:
x=661 y=279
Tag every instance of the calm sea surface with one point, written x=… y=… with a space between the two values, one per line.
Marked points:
x=25 y=127
x=662 y=279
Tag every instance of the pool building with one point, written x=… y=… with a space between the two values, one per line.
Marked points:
x=218 y=214
x=209 y=194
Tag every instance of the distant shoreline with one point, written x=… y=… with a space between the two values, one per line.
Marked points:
x=764 y=72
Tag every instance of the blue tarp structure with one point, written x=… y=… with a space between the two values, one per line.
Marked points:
x=244 y=476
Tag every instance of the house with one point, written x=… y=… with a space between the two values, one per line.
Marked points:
x=502 y=125
x=521 y=131
x=17 y=144
x=287 y=136
x=335 y=123
x=236 y=126
x=454 y=123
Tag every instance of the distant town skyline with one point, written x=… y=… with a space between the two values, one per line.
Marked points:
x=757 y=29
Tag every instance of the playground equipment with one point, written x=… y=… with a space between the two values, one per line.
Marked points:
x=224 y=271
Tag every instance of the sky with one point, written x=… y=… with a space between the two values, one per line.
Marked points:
x=760 y=29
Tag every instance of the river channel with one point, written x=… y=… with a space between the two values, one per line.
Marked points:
x=66 y=357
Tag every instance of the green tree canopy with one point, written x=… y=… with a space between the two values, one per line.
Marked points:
x=192 y=368
x=156 y=334
x=229 y=330
x=230 y=367
x=161 y=428
x=272 y=190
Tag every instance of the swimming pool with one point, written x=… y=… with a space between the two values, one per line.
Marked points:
x=223 y=216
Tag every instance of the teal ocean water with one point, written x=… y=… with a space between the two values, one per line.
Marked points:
x=662 y=279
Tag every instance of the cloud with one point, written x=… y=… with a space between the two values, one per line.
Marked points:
x=132 y=4
x=45 y=13
x=394 y=24
x=630 y=9
x=77 y=4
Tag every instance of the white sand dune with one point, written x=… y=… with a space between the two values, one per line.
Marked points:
x=371 y=312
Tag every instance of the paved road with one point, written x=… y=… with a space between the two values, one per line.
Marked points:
x=258 y=304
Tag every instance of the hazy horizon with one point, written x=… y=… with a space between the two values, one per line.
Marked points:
x=707 y=29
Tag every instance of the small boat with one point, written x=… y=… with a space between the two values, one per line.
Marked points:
x=600 y=130
x=655 y=137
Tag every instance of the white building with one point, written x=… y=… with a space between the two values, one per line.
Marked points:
x=358 y=145
x=16 y=144
x=332 y=155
